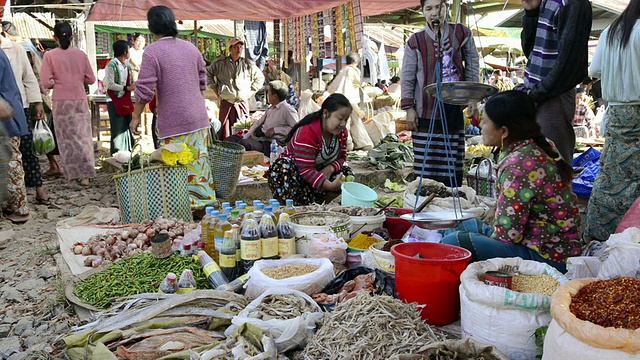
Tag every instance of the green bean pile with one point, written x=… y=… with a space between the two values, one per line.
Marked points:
x=135 y=275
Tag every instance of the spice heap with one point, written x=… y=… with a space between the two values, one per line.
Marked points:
x=535 y=284
x=281 y=307
x=609 y=303
x=362 y=242
x=135 y=275
x=371 y=327
x=289 y=271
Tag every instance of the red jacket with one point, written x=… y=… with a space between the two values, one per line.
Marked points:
x=304 y=147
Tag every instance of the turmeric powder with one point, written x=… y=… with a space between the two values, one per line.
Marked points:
x=362 y=242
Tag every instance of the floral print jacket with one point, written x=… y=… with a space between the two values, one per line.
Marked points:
x=535 y=207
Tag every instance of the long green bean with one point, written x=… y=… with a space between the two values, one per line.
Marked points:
x=135 y=275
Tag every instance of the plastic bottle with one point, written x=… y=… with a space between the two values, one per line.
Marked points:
x=236 y=284
x=258 y=212
x=187 y=282
x=210 y=244
x=250 y=249
x=228 y=256
x=268 y=235
x=289 y=209
x=218 y=233
x=186 y=249
x=248 y=215
x=236 y=239
x=225 y=205
x=204 y=223
x=276 y=212
x=255 y=203
x=273 y=155
x=242 y=209
x=228 y=210
x=169 y=284
x=238 y=202
x=286 y=236
x=234 y=219
x=176 y=247
x=211 y=270
x=273 y=201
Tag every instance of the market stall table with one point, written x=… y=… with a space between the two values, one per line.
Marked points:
x=95 y=102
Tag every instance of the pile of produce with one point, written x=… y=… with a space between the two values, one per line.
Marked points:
x=289 y=271
x=479 y=150
x=106 y=248
x=363 y=242
x=441 y=190
x=355 y=210
x=535 y=284
x=609 y=303
x=135 y=275
x=391 y=153
x=282 y=307
x=371 y=327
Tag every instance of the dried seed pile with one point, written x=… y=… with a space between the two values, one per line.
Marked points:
x=535 y=284
x=371 y=327
x=609 y=303
x=281 y=307
x=289 y=271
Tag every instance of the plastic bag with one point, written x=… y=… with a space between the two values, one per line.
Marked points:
x=571 y=338
x=287 y=334
x=631 y=218
x=307 y=105
x=624 y=255
x=590 y=161
x=43 y=142
x=328 y=246
x=309 y=283
x=418 y=234
x=501 y=317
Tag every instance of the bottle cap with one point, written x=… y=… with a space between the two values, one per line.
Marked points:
x=268 y=209
x=242 y=206
x=275 y=205
x=235 y=212
x=223 y=217
x=186 y=246
x=260 y=206
x=215 y=213
x=171 y=277
x=238 y=202
x=256 y=202
x=208 y=209
x=289 y=202
x=225 y=204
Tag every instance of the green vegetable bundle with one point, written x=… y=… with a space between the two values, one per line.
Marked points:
x=135 y=275
x=391 y=153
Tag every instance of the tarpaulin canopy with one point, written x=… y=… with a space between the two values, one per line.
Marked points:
x=264 y=10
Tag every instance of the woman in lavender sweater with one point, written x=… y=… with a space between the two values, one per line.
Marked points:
x=175 y=69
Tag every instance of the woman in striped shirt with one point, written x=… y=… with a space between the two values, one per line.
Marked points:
x=309 y=171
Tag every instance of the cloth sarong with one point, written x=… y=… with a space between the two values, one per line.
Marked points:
x=73 y=135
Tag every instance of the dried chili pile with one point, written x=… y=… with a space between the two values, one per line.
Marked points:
x=609 y=303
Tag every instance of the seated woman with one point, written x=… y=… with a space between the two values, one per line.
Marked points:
x=309 y=169
x=536 y=217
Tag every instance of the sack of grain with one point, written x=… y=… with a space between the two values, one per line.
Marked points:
x=501 y=317
x=306 y=275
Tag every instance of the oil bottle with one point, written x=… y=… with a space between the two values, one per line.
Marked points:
x=286 y=236
x=218 y=233
x=289 y=209
x=228 y=256
x=268 y=235
x=250 y=249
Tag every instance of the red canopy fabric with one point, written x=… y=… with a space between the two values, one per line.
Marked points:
x=257 y=10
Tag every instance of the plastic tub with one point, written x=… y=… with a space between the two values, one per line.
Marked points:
x=305 y=225
x=355 y=194
x=432 y=280
x=360 y=224
x=396 y=226
x=383 y=259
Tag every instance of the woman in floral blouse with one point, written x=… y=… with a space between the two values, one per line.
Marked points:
x=536 y=217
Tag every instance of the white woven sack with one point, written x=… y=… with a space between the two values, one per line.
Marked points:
x=500 y=317
x=309 y=283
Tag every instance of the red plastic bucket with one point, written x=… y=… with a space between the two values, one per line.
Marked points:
x=432 y=280
x=396 y=226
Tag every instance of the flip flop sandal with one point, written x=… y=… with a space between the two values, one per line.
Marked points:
x=41 y=201
x=18 y=219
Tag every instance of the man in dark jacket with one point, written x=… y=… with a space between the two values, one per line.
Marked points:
x=555 y=39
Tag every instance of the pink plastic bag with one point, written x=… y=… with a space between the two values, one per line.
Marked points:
x=631 y=218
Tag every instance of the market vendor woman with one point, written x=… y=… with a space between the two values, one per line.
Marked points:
x=310 y=168
x=536 y=216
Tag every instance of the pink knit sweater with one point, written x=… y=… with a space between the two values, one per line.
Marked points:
x=66 y=72
x=175 y=69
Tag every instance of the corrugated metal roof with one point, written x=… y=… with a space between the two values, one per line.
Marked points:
x=615 y=6
x=28 y=27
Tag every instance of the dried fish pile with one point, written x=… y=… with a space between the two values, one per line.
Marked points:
x=289 y=271
x=442 y=354
x=282 y=307
x=371 y=327
x=237 y=347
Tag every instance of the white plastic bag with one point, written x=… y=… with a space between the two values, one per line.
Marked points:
x=328 y=246
x=500 y=317
x=287 y=334
x=43 y=142
x=307 y=104
x=570 y=338
x=309 y=284
x=624 y=255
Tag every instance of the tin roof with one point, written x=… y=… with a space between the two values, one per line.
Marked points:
x=29 y=27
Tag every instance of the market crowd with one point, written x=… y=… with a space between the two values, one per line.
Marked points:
x=530 y=120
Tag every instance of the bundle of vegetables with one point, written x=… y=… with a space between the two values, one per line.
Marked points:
x=391 y=153
x=136 y=275
x=115 y=245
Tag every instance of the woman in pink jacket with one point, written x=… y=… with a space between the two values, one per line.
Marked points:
x=66 y=70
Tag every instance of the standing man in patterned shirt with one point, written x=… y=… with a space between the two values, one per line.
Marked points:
x=555 y=39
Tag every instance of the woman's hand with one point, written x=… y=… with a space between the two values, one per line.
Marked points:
x=131 y=87
x=327 y=171
x=412 y=119
x=39 y=108
x=531 y=4
x=135 y=122
x=334 y=185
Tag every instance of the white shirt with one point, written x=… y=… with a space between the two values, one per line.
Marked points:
x=136 y=56
x=618 y=69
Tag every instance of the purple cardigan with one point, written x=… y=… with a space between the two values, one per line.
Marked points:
x=175 y=69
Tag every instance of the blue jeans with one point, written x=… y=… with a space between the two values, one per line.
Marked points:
x=475 y=236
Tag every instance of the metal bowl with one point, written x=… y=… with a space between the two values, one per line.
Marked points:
x=461 y=92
